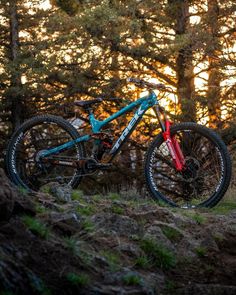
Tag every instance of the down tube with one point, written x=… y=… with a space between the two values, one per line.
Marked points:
x=127 y=132
x=64 y=146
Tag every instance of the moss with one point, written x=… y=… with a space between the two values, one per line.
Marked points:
x=36 y=226
x=159 y=255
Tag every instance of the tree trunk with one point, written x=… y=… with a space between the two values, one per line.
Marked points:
x=184 y=65
x=14 y=97
x=214 y=74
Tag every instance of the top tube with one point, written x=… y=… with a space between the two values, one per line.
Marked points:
x=97 y=125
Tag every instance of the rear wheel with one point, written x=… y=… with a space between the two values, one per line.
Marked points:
x=206 y=175
x=27 y=144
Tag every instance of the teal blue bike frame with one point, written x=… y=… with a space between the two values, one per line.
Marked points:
x=144 y=104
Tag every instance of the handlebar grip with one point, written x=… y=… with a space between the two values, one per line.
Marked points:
x=143 y=84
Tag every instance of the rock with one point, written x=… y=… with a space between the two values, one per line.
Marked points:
x=129 y=249
x=6 y=198
x=207 y=289
x=12 y=202
x=155 y=233
x=65 y=224
x=61 y=193
x=122 y=225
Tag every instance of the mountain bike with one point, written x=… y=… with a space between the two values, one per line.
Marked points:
x=187 y=165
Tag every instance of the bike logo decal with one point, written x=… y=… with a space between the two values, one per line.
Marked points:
x=222 y=169
x=14 y=151
x=126 y=131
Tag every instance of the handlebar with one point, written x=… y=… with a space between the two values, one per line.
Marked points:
x=144 y=84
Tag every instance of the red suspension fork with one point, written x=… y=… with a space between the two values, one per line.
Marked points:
x=173 y=147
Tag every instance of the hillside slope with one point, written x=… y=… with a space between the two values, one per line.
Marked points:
x=68 y=243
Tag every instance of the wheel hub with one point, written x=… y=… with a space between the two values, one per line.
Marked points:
x=191 y=170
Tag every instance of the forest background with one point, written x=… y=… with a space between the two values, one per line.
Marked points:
x=53 y=53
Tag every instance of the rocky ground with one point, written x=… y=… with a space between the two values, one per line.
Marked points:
x=62 y=242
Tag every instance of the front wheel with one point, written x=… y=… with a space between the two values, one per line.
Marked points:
x=205 y=177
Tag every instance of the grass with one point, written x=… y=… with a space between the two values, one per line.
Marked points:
x=36 y=226
x=209 y=268
x=143 y=262
x=159 y=255
x=171 y=233
x=88 y=210
x=38 y=285
x=132 y=279
x=113 y=196
x=117 y=209
x=41 y=209
x=170 y=287
x=113 y=259
x=199 y=218
x=88 y=225
x=218 y=237
x=80 y=280
x=76 y=195
x=71 y=244
x=201 y=251
x=224 y=207
x=23 y=191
